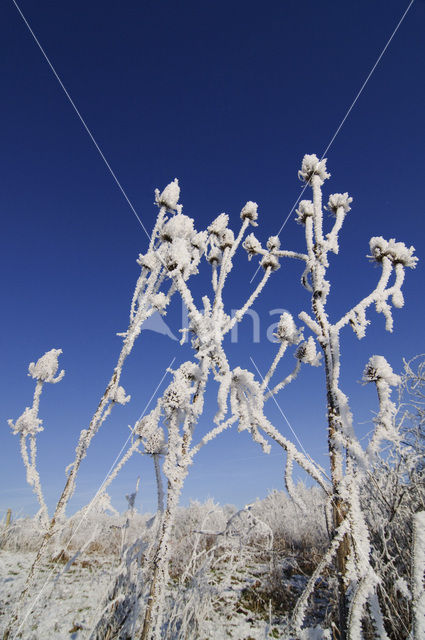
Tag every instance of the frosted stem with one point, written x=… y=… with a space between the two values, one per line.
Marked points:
x=241 y=312
x=318 y=213
x=36 y=480
x=159 y=487
x=282 y=348
x=286 y=381
x=418 y=569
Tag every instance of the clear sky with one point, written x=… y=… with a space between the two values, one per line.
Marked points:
x=228 y=97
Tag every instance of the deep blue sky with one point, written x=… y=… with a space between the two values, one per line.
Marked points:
x=228 y=97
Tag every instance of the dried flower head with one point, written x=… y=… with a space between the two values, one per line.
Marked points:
x=155 y=442
x=178 y=255
x=287 y=330
x=44 y=370
x=304 y=211
x=312 y=166
x=339 y=201
x=179 y=226
x=251 y=245
x=120 y=397
x=378 y=368
x=273 y=243
x=218 y=225
x=190 y=371
x=397 y=252
x=148 y=260
x=175 y=398
x=270 y=261
x=199 y=241
x=307 y=353
x=169 y=197
x=227 y=239
x=249 y=212
x=159 y=301
x=27 y=424
x=146 y=425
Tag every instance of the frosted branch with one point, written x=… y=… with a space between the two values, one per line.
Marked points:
x=301 y=606
x=289 y=378
x=241 y=312
x=212 y=434
x=311 y=324
x=280 y=353
x=418 y=569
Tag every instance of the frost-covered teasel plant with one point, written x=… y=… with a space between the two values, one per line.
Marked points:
x=240 y=398
x=170 y=251
x=348 y=460
x=179 y=409
x=170 y=433
x=29 y=424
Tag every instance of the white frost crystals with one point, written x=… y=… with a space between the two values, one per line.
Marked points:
x=44 y=370
x=340 y=201
x=287 y=331
x=179 y=226
x=247 y=400
x=120 y=397
x=312 y=166
x=305 y=210
x=379 y=369
x=27 y=424
x=219 y=225
x=307 y=353
x=169 y=197
x=46 y=367
x=181 y=247
x=249 y=212
x=397 y=252
x=251 y=245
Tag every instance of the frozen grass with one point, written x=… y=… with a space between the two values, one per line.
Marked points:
x=232 y=574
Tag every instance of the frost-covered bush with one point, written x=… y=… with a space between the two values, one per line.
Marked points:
x=97 y=532
x=394 y=494
x=294 y=525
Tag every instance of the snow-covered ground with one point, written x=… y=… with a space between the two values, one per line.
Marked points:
x=62 y=604
x=240 y=582
x=68 y=605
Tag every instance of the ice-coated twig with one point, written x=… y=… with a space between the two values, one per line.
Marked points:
x=305 y=463
x=115 y=471
x=289 y=483
x=239 y=314
x=380 y=372
x=284 y=253
x=212 y=434
x=418 y=575
x=298 y=614
x=280 y=353
x=281 y=385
